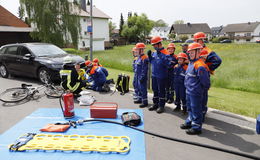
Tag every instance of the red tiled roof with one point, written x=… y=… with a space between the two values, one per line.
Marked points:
x=8 y=19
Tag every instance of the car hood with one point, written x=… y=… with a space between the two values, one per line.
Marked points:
x=59 y=59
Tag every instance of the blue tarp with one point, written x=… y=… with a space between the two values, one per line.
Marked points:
x=43 y=116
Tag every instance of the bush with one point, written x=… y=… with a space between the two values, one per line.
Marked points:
x=215 y=40
x=74 y=51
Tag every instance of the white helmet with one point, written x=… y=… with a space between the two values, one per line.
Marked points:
x=68 y=59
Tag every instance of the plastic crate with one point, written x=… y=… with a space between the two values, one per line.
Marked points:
x=103 y=110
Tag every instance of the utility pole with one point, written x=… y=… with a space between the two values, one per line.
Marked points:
x=91 y=31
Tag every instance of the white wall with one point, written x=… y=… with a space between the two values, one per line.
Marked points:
x=100 y=33
x=256 y=33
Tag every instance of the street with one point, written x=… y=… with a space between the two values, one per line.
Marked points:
x=221 y=129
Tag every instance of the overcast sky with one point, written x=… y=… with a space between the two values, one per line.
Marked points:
x=213 y=12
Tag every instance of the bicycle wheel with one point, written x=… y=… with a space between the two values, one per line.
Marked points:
x=14 y=95
x=54 y=91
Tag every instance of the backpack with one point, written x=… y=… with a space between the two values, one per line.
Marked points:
x=122 y=83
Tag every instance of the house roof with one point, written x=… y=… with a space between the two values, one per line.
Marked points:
x=216 y=28
x=241 y=27
x=8 y=19
x=190 y=28
x=164 y=29
x=96 y=13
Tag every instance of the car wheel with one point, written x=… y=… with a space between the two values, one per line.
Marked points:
x=43 y=75
x=3 y=71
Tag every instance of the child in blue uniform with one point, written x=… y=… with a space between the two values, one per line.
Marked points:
x=196 y=82
x=179 y=76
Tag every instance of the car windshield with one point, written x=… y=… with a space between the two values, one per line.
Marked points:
x=46 y=50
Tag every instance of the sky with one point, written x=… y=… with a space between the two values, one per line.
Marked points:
x=213 y=12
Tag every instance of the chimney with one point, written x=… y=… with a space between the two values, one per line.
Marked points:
x=248 y=23
x=188 y=24
x=83 y=5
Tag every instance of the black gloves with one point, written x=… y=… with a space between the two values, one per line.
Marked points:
x=149 y=53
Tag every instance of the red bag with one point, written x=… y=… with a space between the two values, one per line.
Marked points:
x=55 y=128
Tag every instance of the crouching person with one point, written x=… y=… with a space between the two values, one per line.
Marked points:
x=196 y=81
x=98 y=76
x=70 y=79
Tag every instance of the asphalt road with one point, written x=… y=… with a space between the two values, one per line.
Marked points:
x=221 y=129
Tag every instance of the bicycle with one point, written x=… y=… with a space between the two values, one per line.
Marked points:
x=14 y=95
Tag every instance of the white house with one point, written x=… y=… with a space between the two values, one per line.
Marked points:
x=242 y=32
x=163 y=32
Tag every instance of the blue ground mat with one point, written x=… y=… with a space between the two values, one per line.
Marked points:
x=43 y=116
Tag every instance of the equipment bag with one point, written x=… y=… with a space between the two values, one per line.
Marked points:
x=122 y=84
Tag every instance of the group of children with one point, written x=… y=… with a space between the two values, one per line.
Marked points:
x=186 y=74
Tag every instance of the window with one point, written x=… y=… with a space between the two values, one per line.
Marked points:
x=24 y=51
x=85 y=33
x=12 y=50
x=83 y=43
x=2 y=51
x=84 y=19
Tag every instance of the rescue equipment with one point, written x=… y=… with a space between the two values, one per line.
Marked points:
x=103 y=110
x=55 y=128
x=122 y=84
x=68 y=101
x=84 y=143
x=131 y=119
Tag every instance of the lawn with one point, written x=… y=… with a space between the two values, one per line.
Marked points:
x=239 y=71
x=239 y=102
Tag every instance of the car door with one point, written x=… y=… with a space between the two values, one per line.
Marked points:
x=10 y=59
x=25 y=62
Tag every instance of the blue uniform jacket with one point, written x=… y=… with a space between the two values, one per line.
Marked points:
x=179 y=73
x=173 y=61
x=97 y=75
x=160 y=63
x=213 y=60
x=142 y=67
x=197 y=78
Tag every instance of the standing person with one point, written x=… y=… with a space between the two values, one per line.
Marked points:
x=142 y=74
x=196 y=81
x=159 y=60
x=179 y=76
x=70 y=79
x=184 y=48
x=170 y=83
x=135 y=85
x=212 y=60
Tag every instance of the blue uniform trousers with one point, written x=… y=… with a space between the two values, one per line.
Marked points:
x=142 y=91
x=158 y=86
x=194 y=108
x=180 y=92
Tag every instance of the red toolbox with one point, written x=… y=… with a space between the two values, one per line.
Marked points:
x=103 y=110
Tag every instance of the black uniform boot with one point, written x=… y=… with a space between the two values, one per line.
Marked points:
x=153 y=107
x=185 y=126
x=177 y=109
x=143 y=105
x=193 y=132
x=137 y=102
x=160 y=110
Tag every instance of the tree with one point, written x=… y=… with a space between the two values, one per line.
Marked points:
x=179 y=22
x=54 y=20
x=88 y=3
x=21 y=13
x=160 y=23
x=112 y=26
x=137 y=28
x=121 y=24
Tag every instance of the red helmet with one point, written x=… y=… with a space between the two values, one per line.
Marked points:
x=88 y=63
x=182 y=55
x=171 y=45
x=199 y=35
x=95 y=60
x=193 y=46
x=140 y=45
x=204 y=53
x=155 y=40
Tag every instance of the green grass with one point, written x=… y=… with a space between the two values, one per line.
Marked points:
x=239 y=102
x=240 y=69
